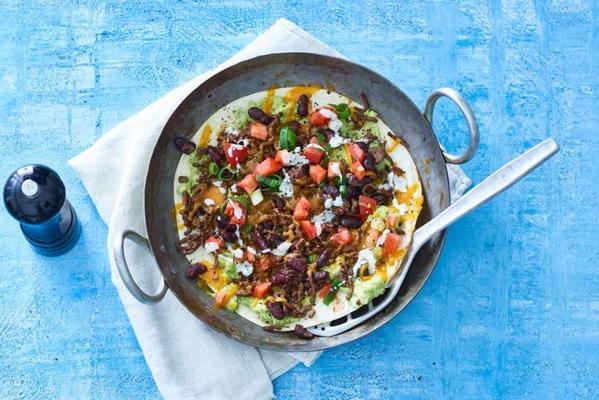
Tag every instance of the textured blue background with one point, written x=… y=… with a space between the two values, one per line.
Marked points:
x=512 y=309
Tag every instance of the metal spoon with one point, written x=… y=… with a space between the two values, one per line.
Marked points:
x=494 y=184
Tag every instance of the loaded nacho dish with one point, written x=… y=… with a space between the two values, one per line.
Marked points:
x=295 y=206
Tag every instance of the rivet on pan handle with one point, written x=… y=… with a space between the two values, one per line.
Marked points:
x=464 y=107
x=123 y=268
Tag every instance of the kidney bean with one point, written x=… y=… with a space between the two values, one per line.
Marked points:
x=302 y=105
x=351 y=222
x=195 y=270
x=258 y=115
x=216 y=155
x=352 y=192
x=306 y=169
x=369 y=162
x=330 y=190
x=229 y=237
x=231 y=228
x=362 y=145
x=222 y=221
x=276 y=309
x=320 y=277
x=259 y=240
x=329 y=133
x=184 y=145
x=297 y=264
x=323 y=258
x=302 y=332
x=353 y=180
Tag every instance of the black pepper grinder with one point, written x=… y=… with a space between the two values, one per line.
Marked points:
x=35 y=196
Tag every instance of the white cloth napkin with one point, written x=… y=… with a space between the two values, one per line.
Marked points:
x=188 y=360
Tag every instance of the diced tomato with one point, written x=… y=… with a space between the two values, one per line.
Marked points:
x=235 y=153
x=249 y=183
x=235 y=212
x=358 y=170
x=309 y=229
x=221 y=298
x=356 y=152
x=343 y=236
x=216 y=240
x=302 y=209
x=250 y=256
x=391 y=220
x=316 y=118
x=281 y=156
x=267 y=167
x=313 y=154
x=391 y=243
x=366 y=205
x=325 y=290
x=371 y=238
x=258 y=130
x=261 y=289
x=317 y=173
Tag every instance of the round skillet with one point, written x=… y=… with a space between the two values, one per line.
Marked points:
x=283 y=70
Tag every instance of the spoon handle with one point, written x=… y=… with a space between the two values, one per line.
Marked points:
x=494 y=184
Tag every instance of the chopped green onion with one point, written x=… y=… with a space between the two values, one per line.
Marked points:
x=335 y=284
x=343 y=111
x=343 y=191
x=271 y=181
x=213 y=168
x=245 y=202
x=312 y=258
x=382 y=165
x=287 y=138
x=225 y=174
x=256 y=197
x=321 y=138
x=342 y=186
x=247 y=227
x=328 y=299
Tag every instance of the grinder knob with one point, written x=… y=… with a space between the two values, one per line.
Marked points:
x=35 y=196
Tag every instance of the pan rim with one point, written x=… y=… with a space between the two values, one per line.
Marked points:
x=346 y=337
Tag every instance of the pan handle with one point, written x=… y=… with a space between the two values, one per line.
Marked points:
x=123 y=268
x=464 y=107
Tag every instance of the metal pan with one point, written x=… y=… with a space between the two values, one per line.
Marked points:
x=259 y=74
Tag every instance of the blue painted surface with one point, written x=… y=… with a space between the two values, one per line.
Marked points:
x=512 y=309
